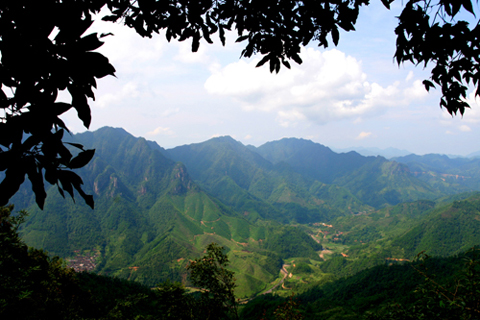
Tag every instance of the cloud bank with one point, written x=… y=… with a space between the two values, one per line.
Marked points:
x=328 y=86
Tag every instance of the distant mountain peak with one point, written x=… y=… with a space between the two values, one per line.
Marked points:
x=225 y=139
x=387 y=153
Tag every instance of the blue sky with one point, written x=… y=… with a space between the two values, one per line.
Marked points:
x=353 y=95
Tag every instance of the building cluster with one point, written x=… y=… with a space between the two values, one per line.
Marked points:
x=85 y=262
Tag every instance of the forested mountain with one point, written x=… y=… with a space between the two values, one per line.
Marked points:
x=449 y=175
x=373 y=180
x=387 y=153
x=150 y=218
x=448 y=230
x=442 y=228
x=255 y=186
x=312 y=159
x=277 y=204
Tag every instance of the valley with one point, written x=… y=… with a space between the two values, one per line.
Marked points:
x=292 y=215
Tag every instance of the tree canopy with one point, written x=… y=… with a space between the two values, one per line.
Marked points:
x=46 y=50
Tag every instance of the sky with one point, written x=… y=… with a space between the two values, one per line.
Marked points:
x=352 y=95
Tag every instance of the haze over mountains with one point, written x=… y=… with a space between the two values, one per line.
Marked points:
x=156 y=208
x=387 y=153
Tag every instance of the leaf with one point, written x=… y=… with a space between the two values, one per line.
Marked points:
x=195 y=42
x=76 y=145
x=206 y=35
x=263 y=61
x=75 y=181
x=222 y=34
x=79 y=102
x=455 y=7
x=30 y=142
x=66 y=182
x=90 y=42
x=59 y=122
x=65 y=155
x=82 y=159
x=272 y=64
x=88 y=198
x=335 y=36
x=112 y=18
x=467 y=4
x=70 y=31
x=51 y=175
x=14 y=177
x=448 y=10
x=386 y=3
x=103 y=35
x=36 y=178
x=241 y=38
x=99 y=63
x=61 y=191
x=61 y=107
x=297 y=58
x=3 y=100
x=428 y=84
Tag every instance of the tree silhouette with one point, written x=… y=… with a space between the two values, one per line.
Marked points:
x=216 y=284
x=45 y=49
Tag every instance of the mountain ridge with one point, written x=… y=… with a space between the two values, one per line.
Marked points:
x=156 y=208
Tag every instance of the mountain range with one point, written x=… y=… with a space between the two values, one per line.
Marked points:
x=157 y=208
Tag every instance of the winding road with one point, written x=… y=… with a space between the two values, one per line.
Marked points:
x=285 y=274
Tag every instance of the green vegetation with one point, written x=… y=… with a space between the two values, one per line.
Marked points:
x=389 y=292
x=216 y=283
x=35 y=286
x=152 y=217
x=290 y=242
x=282 y=230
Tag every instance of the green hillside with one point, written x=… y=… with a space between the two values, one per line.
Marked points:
x=372 y=291
x=449 y=175
x=398 y=234
x=154 y=214
x=150 y=218
x=243 y=179
x=312 y=159
x=446 y=231
x=374 y=181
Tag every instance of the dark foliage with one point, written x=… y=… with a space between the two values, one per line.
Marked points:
x=216 y=284
x=35 y=286
x=405 y=287
x=437 y=298
x=428 y=33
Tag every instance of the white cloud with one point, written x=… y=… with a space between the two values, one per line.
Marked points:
x=289 y=118
x=126 y=49
x=465 y=128
x=328 y=86
x=472 y=115
x=416 y=91
x=129 y=90
x=161 y=131
x=363 y=135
